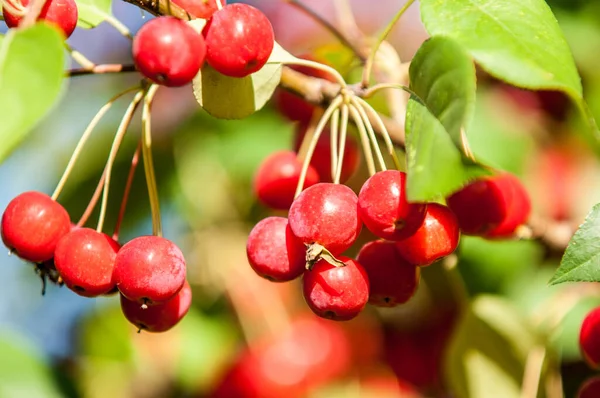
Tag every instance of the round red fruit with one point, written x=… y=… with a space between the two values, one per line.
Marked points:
x=168 y=51
x=589 y=338
x=32 y=225
x=392 y=279
x=85 y=260
x=337 y=293
x=149 y=270
x=326 y=214
x=160 y=317
x=277 y=177
x=437 y=237
x=384 y=209
x=321 y=158
x=239 y=40
x=62 y=13
x=200 y=8
x=590 y=388
x=491 y=207
x=274 y=252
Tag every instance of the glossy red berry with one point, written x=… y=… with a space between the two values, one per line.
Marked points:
x=200 y=8
x=491 y=207
x=159 y=317
x=274 y=252
x=239 y=40
x=168 y=51
x=589 y=338
x=149 y=270
x=326 y=214
x=590 y=388
x=337 y=293
x=321 y=159
x=384 y=209
x=277 y=178
x=32 y=225
x=85 y=260
x=393 y=280
x=436 y=238
x=61 y=13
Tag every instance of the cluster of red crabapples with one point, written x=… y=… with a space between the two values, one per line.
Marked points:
x=325 y=220
x=149 y=272
x=236 y=40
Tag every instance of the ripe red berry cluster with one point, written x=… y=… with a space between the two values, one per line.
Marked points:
x=236 y=41
x=148 y=271
x=61 y=13
x=325 y=220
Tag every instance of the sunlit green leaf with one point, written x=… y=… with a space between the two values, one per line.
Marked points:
x=93 y=12
x=442 y=74
x=581 y=261
x=31 y=75
x=435 y=166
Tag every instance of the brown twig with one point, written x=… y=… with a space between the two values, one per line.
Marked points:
x=100 y=69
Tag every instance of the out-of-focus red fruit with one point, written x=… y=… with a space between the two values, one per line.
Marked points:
x=321 y=159
x=589 y=338
x=292 y=106
x=307 y=354
x=590 y=388
x=277 y=178
x=492 y=207
x=61 y=13
x=386 y=385
x=553 y=173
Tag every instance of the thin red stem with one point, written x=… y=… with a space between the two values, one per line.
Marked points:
x=134 y=163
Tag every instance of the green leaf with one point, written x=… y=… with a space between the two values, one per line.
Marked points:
x=93 y=12
x=488 y=348
x=435 y=167
x=31 y=75
x=581 y=261
x=227 y=97
x=442 y=74
x=515 y=40
x=22 y=373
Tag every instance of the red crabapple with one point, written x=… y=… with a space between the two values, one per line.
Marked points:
x=384 y=209
x=149 y=270
x=321 y=159
x=239 y=40
x=277 y=177
x=590 y=388
x=159 y=317
x=326 y=214
x=491 y=207
x=337 y=293
x=32 y=225
x=168 y=51
x=85 y=260
x=437 y=237
x=274 y=252
x=61 y=13
x=200 y=8
x=589 y=338
x=392 y=279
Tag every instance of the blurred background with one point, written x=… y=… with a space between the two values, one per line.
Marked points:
x=63 y=345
